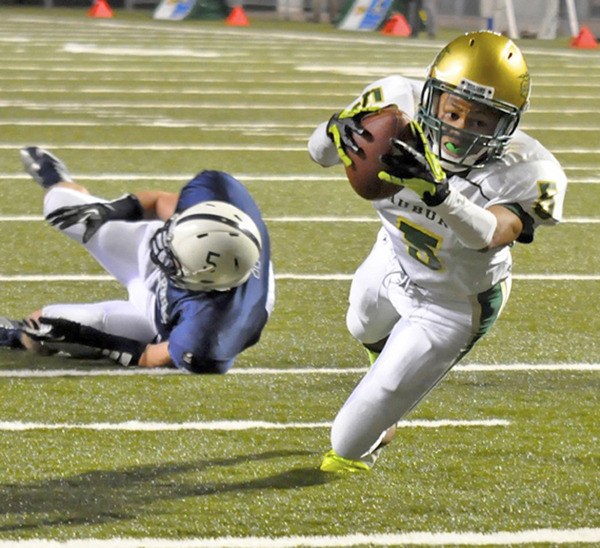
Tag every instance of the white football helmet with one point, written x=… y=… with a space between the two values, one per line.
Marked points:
x=210 y=246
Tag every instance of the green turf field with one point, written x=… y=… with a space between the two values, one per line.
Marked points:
x=505 y=451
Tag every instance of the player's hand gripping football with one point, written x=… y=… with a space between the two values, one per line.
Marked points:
x=94 y=215
x=416 y=168
x=341 y=129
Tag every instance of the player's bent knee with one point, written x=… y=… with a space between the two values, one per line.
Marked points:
x=360 y=330
x=354 y=325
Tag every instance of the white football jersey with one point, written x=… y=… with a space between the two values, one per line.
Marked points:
x=527 y=179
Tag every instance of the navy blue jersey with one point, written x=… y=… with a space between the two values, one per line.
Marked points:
x=208 y=329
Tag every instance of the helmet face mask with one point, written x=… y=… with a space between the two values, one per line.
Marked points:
x=161 y=253
x=212 y=246
x=468 y=149
x=487 y=71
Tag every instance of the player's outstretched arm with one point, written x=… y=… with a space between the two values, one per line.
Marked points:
x=122 y=350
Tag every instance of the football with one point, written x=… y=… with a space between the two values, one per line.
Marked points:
x=383 y=125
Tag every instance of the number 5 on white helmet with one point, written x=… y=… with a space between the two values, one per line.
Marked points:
x=210 y=246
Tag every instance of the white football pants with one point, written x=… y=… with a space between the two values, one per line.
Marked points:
x=122 y=249
x=427 y=335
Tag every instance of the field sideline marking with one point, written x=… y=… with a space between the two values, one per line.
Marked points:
x=586 y=535
x=112 y=371
x=337 y=277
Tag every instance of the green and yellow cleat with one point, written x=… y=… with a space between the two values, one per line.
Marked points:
x=372 y=355
x=332 y=462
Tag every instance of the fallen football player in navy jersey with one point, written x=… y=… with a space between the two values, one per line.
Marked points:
x=196 y=266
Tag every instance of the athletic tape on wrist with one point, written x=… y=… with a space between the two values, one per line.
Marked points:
x=473 y=225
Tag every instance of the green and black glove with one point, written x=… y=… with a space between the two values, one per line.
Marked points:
x=416 y=168
x=341 y=129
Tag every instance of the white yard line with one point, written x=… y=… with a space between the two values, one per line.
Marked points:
x=182 y=124
x=298 y=133
x=163 y=76
x=415 y=538
x=146 y=426
x=209 y=91
x=198 y=105
x=95 y=370
x=168 y=147
x=284 y=128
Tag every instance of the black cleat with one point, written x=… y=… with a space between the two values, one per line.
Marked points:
x=10 y=333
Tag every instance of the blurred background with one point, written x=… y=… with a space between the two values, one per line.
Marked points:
x=527 y=19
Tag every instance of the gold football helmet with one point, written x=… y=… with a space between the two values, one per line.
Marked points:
x=482 y=67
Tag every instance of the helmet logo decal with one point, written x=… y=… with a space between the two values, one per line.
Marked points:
x=524 y=85
x=256 y=270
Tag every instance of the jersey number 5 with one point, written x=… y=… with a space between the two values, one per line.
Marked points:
x=421 y=244
x=544 y=206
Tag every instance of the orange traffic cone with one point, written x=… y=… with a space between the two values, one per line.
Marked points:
x=237 y=17
x=585 y=39
x=100 y=9
x=396 y=25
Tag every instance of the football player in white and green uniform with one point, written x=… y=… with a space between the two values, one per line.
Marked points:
x=440 y=270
